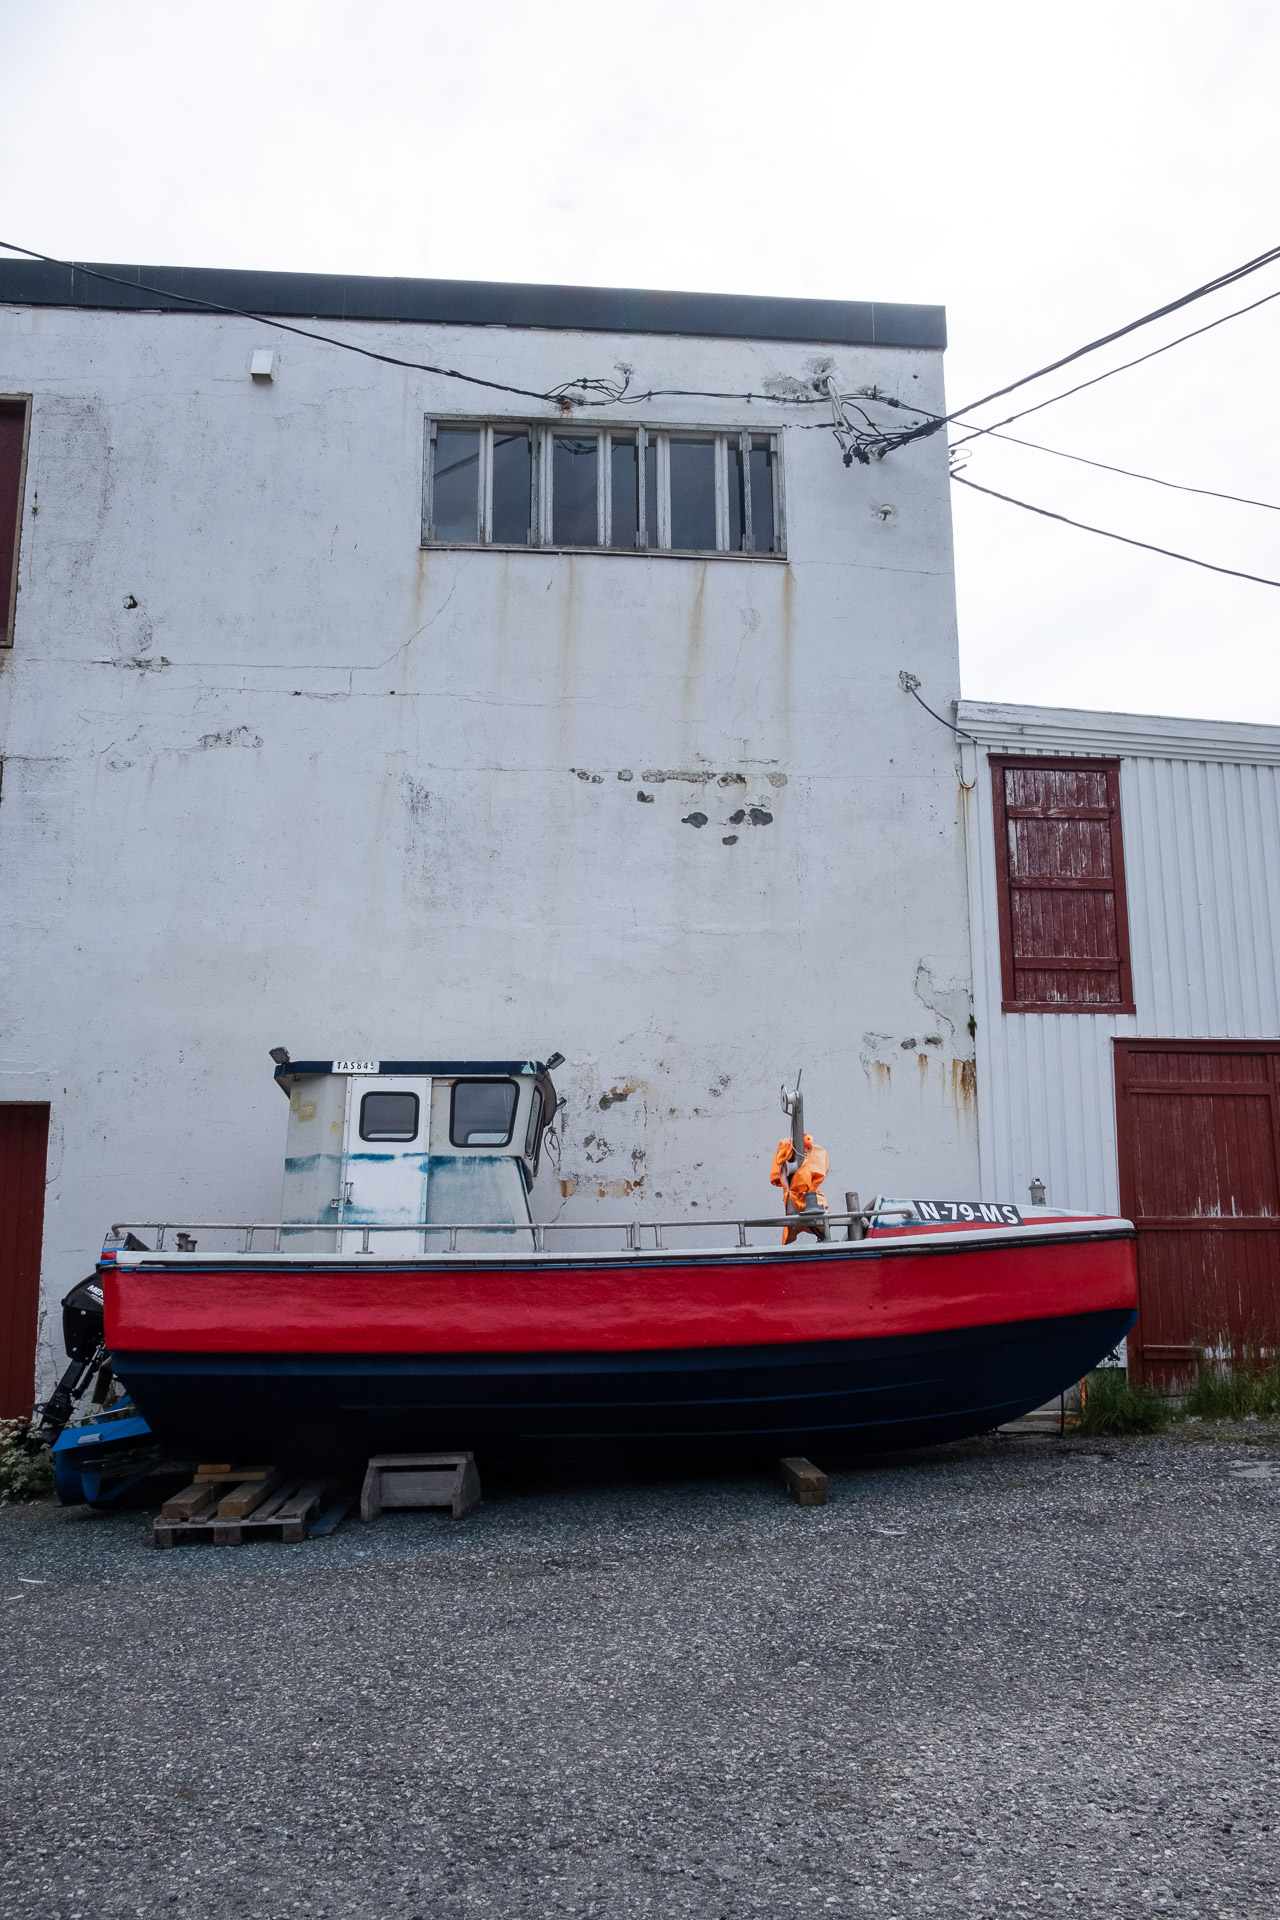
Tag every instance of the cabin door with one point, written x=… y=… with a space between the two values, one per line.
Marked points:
x=388 y=1125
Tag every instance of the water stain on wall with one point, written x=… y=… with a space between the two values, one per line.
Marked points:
x=964 y=1085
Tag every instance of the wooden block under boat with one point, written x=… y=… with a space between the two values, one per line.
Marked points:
x=806 y=1483
x=420 y=1480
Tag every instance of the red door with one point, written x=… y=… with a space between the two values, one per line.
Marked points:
x=24 y=1140
x=1198 y=1124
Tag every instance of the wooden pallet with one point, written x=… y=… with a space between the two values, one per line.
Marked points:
x=228 y=1506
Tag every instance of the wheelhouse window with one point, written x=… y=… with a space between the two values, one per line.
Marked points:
x=483 y=1112
x=628 y=489
x=533 y=1132
x=389 y=1116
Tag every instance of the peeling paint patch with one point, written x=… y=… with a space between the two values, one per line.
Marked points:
x=617 y=1094
x=760 y=817
x=951 y=1003
x=232 y=737
x=603 y=1189
x=729 y=840
x=694 y=820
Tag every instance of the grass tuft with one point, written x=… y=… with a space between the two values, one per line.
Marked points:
x=23 y=1475
x=1110 y=1403
x=1234 y=1393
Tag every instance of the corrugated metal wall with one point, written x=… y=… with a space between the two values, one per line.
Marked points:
x=1202 y=856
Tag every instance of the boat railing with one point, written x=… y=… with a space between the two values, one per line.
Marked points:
x=637 y=1236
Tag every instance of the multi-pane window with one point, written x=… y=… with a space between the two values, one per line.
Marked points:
x=626 y=489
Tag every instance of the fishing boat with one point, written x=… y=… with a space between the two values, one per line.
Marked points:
x=407 y=1299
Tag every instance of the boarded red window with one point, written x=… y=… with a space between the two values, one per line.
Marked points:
x=1064 y=932
x=1199 y=1147
x=13 y=451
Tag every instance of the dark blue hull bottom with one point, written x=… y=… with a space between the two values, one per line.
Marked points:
x=826 y=1398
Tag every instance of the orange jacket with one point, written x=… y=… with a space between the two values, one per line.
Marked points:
x=808 y=1176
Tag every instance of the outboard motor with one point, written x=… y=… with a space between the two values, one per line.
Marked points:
x=82 y=1336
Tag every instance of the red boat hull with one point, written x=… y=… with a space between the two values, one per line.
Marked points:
x=616 y=1305
x=892 y=1343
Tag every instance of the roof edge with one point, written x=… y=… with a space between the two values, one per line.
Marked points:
x=475 y=303
x=1019 y=729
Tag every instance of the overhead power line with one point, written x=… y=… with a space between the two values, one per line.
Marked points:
x=1083 y=526
x=1118 y=333
x=1080 y=459
x=1178 y=486
x=1124 y=367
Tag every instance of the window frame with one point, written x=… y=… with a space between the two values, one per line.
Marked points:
x=391 y=1139
x=648 y=540
x=477 y=1080
x=9 y=588
x=1061 y=763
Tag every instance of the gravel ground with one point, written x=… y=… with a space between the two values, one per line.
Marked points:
x=1012 y=1676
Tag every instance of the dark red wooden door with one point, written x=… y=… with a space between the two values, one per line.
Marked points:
x=24 y=1141
x=1199 y=1145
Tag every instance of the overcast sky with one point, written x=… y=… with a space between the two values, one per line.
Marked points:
x=1045 y=173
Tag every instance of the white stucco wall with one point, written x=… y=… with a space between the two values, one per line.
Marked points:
x=323 y=789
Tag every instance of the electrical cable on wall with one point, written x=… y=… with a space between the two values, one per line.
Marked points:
x=909 y=682
x=859 y=440
x=611 y=392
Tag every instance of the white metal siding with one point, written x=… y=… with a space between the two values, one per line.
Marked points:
x=1201 y=848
